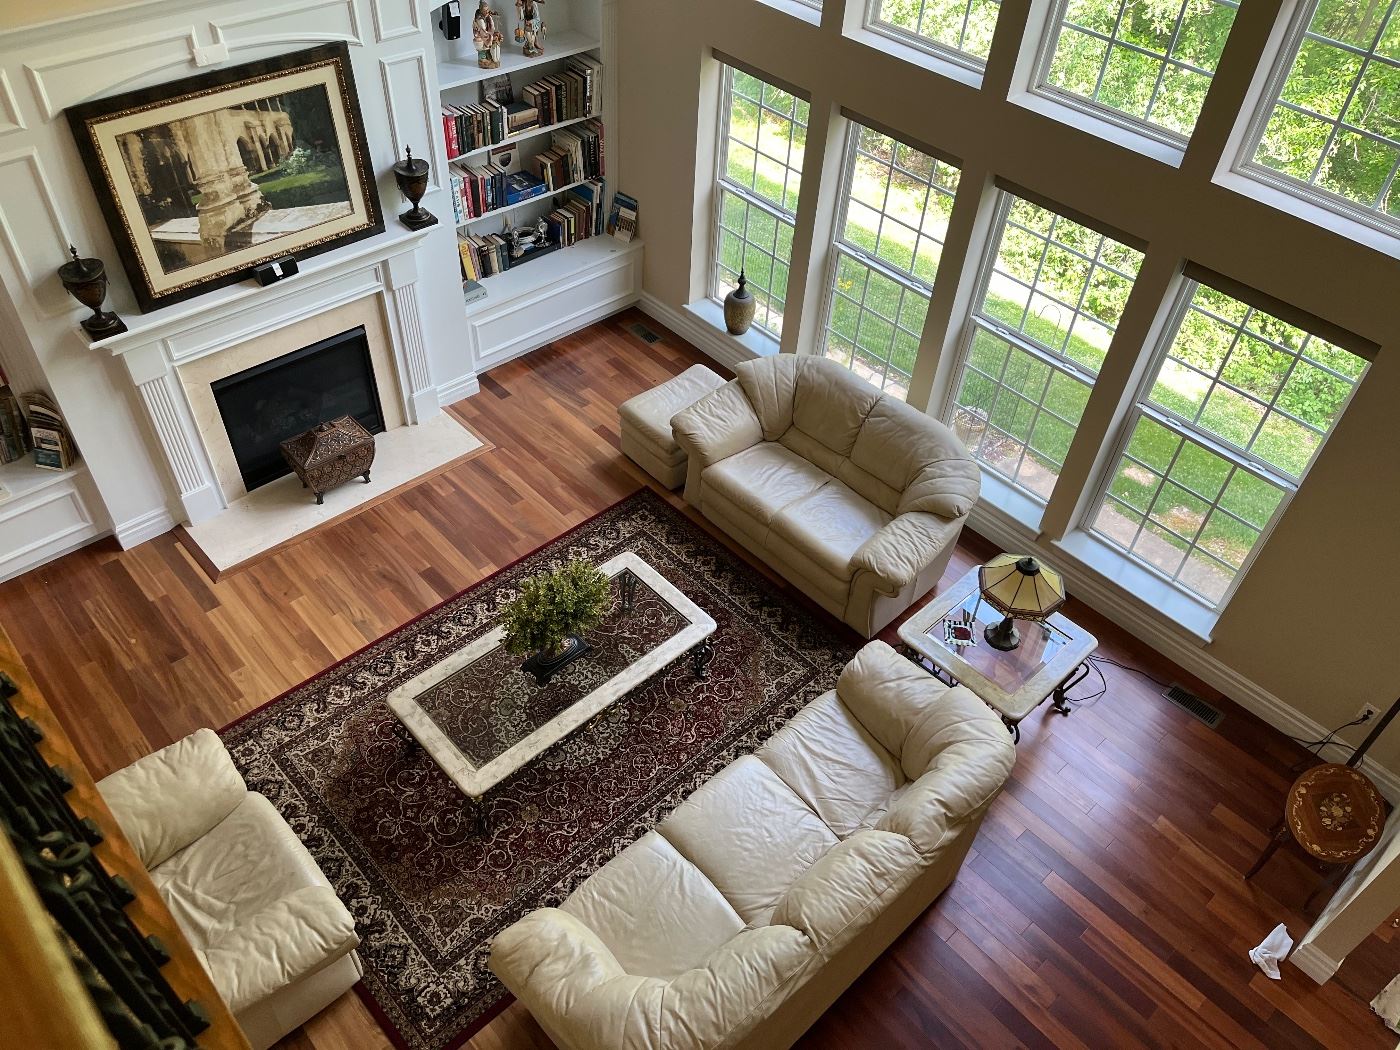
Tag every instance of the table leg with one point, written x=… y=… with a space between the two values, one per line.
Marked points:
x=1333 y=880
x=700 y=660
x=1060 y=701
x=1278 y=834
x=481 y=816
x=1014 y=728
x=628 y=582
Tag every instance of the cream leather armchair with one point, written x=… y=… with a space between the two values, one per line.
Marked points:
x=277 y=941
x=751 y=908
x=853 y=496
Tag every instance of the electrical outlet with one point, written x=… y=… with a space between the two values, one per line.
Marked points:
x=1367 y=713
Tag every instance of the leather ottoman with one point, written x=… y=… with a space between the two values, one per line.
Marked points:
x=646 y=423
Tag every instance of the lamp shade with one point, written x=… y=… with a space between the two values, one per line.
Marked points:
x=1018 y=585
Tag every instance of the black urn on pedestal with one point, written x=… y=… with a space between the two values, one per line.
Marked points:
x=412 y=176
x=86 y=281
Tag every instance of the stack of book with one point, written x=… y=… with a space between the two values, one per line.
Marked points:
x=483 y=256
x=473 y=126
x=14 y=431
x=574 y=92
x=476 y=189
x=579 y=217
x=574 y=154
x=622 y=220
x=53 y=448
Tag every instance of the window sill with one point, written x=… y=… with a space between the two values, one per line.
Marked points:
x=1011 y=503
x=807 y=13
x=889 y=44
x=1333 y=219
x=1137 y=141
x=1141 y=586
x=755 y=341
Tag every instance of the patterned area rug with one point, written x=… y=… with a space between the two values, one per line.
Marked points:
x=399 y=842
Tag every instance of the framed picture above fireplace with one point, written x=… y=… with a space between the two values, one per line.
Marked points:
x=203 y=178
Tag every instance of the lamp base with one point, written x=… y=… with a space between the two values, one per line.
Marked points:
x=418 y=218
x=1003 y=636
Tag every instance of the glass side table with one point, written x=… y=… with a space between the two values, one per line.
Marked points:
x=1050 y=661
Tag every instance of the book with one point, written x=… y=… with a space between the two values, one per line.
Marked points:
x=623 y=217
x=522 y=186
x=53 y=447
x=473 y=291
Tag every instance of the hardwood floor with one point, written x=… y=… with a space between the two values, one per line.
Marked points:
x=1102 y=905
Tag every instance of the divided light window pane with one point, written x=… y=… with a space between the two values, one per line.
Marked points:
x=962 y=27
x=1148 y=62
x=1335 y=126
x=889 y=239
x=1221 y=435
x=1049 y=305
x=763 y=135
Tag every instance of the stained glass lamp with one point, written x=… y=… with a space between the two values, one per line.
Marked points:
x=1020 y=588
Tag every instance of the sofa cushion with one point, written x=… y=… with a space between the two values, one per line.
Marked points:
x=890 y=696
x=246 y=864
x=750 y=834
x=764 y=479
x=830 y=525
x=833 y=763
x=830 y=403
x=654 y=910
x=650 y=412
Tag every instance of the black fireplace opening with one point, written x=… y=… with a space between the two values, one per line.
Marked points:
x=264 y=405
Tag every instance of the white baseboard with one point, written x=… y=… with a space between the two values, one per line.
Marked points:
x=145 y=527
x=1315 y=963
x=456 y=389
x=717 y=345
x=1180 y=647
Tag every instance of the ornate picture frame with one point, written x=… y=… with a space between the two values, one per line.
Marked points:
x=205 y=177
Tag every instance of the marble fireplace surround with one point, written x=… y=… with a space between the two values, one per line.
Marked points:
x=172 y=355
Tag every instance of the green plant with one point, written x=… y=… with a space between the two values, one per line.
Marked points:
x=571 y=599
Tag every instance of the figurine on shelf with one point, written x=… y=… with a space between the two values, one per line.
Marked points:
x=524 y=240
x=530 y=14
x=487 y=36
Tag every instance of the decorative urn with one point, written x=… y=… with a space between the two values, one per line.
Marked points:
x=739 y=307
x=411 y=174
x=86 y=281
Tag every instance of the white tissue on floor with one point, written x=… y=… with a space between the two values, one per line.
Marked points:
x=1272 y=951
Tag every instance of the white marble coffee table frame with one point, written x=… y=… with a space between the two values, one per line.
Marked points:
x=475 y=781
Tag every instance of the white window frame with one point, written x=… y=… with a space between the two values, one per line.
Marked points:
x=1271 y=96
x=753 y=200
x=839 y=245
x=1040 y=83
x=1250 y=463
x=919 y=42
x=976 y=319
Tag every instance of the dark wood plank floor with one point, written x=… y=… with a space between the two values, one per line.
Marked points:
x=1102 y=905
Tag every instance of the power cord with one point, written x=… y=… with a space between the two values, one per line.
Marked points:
x=1095 y=663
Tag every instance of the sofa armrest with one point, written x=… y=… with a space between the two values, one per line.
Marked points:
x=721 y=424
x=289 y=940
x=548 y=949
x=900 y=551
x=168 y=799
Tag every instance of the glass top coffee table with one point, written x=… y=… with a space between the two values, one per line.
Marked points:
x=1050 y=661
x=482 y=717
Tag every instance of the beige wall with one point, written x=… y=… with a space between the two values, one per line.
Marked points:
x=1301 y=625
x=16 y=13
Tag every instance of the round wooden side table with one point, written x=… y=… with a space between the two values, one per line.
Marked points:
x=1333 y=812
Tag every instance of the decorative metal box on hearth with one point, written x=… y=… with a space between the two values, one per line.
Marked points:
x=330 y=454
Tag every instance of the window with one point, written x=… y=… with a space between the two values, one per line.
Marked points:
x=1224 y=430
x=957 y=29
x=763 y=131
x=1146 y=64
x=1333 y=124
x=1051 y=295
x=889 y=239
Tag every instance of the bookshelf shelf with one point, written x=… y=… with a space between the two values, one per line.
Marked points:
x=523 y=136
x=554 y=269
x=22 y=478
x=519 y=204
x=556 y=46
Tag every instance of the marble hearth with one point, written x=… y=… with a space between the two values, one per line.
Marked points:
x=172 y=356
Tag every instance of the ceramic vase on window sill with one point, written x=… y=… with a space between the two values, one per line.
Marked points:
x=739 y=306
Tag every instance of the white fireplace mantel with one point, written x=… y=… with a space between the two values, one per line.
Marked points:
x=158 y=343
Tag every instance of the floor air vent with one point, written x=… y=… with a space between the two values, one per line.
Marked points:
x=643 y=333
x=1193 y=705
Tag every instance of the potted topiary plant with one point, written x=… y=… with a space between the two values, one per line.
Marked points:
x=550 y=615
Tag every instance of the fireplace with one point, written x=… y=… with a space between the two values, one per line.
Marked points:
x=264 y=405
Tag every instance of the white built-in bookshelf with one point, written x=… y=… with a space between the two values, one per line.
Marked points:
x=544 y=298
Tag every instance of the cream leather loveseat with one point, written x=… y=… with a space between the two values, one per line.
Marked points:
x=853 y=496
x=261 y=916
x=747 y=911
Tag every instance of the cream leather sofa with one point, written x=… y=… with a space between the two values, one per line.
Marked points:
x=853 y=496
x=261 y=916
x=751 y=908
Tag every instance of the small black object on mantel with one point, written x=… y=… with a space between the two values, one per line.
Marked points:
x=274 y=270
x=412 y=176
x=86 y=281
